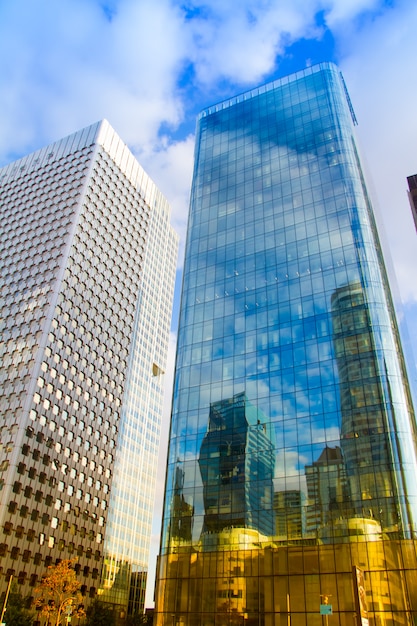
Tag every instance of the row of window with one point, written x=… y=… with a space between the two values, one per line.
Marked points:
x=71 y=491
x=121 y=218
x=96 y=366
x=33 y=580
x=62 y=432
x=42 y=168
x=32 y=238
x=65 y=526
x=16 y=552
x=70 y=434
x=107 y=176
x=92 y=387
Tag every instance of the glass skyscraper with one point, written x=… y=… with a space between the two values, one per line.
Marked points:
x=87 y=260
x=291 y=479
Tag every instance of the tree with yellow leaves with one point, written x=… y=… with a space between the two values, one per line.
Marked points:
x=58 y=595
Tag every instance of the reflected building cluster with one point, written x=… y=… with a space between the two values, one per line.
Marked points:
x=290 y=514
x=182 y=512
x=365 y=429
x=237 y=468
x=326 y=489
x=292 y=455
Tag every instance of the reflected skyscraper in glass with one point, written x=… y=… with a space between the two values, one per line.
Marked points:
x=293 y=433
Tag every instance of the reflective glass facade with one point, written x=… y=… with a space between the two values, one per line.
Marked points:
x=291 y=480
x=87 y=263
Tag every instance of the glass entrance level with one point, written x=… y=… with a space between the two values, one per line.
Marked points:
x=292 y=456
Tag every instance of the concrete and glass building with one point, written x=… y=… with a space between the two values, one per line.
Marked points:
x=88 y=261
x=293 y=432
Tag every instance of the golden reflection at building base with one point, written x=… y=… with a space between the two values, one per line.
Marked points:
x=282 y=585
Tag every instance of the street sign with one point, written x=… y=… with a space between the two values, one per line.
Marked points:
x=326 y=609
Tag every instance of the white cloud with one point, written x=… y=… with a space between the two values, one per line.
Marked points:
x=340 y=12
x=171 y=166
x=289 y=471
x=64 y=65
x=240 y=41
x=329 y=436
x=378 y=67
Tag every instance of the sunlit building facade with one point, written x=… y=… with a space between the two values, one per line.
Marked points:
x=287 y=332
x=88 y=261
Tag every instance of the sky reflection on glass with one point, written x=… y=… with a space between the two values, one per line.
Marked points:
x=282 y=283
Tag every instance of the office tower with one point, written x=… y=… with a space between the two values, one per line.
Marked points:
x=88 y=265
x=289 y=510
x=326 y=488
x=412 y=195
x=236 y=447
x=289 y=366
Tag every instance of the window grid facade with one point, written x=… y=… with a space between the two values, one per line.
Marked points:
x=292 y=456
x=81 y=226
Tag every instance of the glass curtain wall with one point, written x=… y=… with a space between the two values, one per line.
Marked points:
x=291 y=491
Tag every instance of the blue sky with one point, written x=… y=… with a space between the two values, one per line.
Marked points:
x=149 y=66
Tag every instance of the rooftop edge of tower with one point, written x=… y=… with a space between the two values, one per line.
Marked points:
x=279 y=82
x=102 y=134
